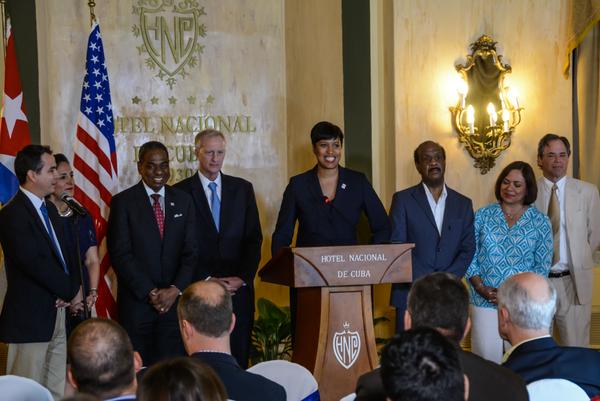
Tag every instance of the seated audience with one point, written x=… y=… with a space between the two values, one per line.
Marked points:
x=181 y=379
x=102 y=360
x=441 y=301
x=206 y=321
x=526 y=306
x=422 y=365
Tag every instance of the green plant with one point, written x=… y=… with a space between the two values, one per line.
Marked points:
x=271 y=335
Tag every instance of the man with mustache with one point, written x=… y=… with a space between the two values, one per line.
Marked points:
x=437 y=219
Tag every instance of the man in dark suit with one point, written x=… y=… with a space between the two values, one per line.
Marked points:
x=438 y=220
x=102 y=361
x=206 y=319
x=229 y=234
x=153 y=248
x=526 y=307
x=441 y=301
x=40 y=274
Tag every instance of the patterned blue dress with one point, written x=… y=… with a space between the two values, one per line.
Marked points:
x=502 y=252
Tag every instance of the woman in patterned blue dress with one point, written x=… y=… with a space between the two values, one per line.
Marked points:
x=511 y=236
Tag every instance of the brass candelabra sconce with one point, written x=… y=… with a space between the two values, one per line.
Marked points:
x=487 y=112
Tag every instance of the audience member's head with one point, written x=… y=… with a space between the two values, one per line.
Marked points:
x=206 y=316
x=422 y=365
x=439 y=301
x=181 y=379
x=102 y=359
x=526 y=306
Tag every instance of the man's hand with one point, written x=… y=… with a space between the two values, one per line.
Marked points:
x=232 y=283
x=163 y=299
x=489 y=293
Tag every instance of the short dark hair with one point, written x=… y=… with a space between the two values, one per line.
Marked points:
x=60 y=158
x=29 y=158
x=148 y=146
x=546 y=139
x=422 y=365
x=528 y=175
x=211 y=317
x=101 y=357
x=422 y=145
x=440 y=301
x=325 y=130
x=181 y=379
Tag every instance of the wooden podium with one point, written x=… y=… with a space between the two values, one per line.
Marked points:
x=334 y=336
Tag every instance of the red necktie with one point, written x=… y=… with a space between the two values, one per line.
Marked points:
x=158 y=214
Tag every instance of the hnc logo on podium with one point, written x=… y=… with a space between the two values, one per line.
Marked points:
x=346 y=346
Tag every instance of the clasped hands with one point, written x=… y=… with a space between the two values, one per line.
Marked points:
x=489 y=293
x=232 y=283
x=76 y=304
x=162 y=299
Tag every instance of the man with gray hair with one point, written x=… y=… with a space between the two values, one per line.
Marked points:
x=526 y=307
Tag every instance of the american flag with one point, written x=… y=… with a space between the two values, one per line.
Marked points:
x=14 y=128
x=95 y=160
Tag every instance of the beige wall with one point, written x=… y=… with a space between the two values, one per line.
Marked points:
x=430 y=37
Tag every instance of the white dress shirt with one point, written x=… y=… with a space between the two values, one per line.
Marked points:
x=151 y=192
x=437 y=208
x=205 y=181
x=563 y=264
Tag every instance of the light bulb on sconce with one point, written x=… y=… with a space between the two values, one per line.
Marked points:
x=486 y=111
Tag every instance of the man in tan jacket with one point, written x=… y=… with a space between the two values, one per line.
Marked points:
x=574 y=210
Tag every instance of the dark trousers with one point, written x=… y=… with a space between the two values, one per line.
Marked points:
x=155 y=336
x=401 y=304
x=243 y=307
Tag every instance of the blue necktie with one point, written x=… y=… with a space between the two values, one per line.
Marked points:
x=215 y=204
x=52 y=237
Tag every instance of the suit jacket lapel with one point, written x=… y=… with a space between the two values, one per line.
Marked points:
x=201 y=202
x=169 y=211
x=448 y=210
x=146 y=212
x=227 y=202
x=421 y=198
x=31 y=210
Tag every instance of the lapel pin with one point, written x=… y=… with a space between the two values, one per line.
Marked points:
x=343 y=186
x=172 y=203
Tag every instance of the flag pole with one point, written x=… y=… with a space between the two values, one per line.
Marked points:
x=91 y=5
x=3 y=22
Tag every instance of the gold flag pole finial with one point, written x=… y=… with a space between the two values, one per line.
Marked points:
x=92 y=4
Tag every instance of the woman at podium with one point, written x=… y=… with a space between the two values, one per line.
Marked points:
x=328 y=199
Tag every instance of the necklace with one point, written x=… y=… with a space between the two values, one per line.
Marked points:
x=513 y=216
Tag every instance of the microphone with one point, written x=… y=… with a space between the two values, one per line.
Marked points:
x=73 y=204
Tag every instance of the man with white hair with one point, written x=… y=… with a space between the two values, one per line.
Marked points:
x=526 y=306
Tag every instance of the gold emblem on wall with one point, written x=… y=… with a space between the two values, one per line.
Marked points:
x=171 y=32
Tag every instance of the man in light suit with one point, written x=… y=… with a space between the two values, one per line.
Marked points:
x=41 y=275
x=437 y=219
x=153 y=248
x=229 y=234
x=526 y=304
x=574 y=210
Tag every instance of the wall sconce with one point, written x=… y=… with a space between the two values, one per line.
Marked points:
x=486 y=112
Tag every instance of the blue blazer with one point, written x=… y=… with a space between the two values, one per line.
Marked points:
x=322 y=223
x=413 y=222
x=544 y=359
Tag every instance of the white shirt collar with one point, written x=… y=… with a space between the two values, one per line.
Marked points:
x=151 y=192
x=36 y=200
x=205 y=181
x=560 y=184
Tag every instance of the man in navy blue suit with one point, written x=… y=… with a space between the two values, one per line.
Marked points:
x=438 y=220
x=526 y=306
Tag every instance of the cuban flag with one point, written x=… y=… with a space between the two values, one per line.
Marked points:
x=14 y=131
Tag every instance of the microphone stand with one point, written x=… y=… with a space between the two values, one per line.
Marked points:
x=86 y=309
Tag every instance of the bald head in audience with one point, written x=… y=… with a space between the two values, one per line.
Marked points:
x=206 y=317
x=526 y=306
x=102 y=360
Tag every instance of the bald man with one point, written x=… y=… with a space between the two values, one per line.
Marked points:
x=102 y=360
x=526 y=306
x=206 y=321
